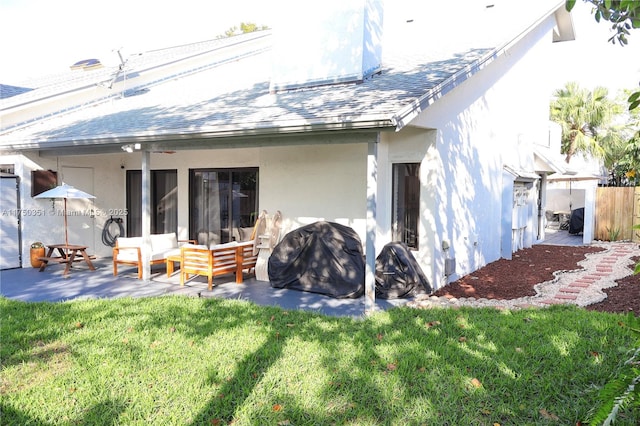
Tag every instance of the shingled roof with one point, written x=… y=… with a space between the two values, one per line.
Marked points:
x=230 y=96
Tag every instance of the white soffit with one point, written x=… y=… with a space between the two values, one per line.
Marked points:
x=544 y=163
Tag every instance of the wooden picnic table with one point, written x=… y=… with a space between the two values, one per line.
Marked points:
x=67 y=254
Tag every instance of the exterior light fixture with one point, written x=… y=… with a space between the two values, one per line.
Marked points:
x=130 y=148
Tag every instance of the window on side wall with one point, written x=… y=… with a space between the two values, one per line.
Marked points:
x=406 y=203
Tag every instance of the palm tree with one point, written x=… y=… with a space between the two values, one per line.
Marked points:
x=621 y=142
x=582 y=114
x=615 y=156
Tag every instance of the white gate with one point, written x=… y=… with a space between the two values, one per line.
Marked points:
x=10 y=223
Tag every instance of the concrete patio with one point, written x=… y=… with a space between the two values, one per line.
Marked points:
x=30 y=285
x=559 y=237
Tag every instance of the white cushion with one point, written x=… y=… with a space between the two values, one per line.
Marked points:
x=130 y=255
x=129 y=241
x=223 y=245
x=160 y=255
x=162 y=242
x=196 y=246
x=172 y=252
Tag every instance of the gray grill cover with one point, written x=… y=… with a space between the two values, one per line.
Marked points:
x=398 y=275
x=576 y=221
x=323 y=257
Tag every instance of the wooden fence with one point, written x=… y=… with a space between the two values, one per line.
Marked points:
x=617 y=212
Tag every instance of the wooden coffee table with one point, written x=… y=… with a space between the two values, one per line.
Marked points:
x=171 y=263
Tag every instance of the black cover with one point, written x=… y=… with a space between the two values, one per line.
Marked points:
x=576 y=221
x=322 y=257
x=398 y=275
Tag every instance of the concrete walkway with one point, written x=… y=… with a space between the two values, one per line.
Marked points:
x=558 y=237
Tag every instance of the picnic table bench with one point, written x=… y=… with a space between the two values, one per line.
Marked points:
x=68 y=253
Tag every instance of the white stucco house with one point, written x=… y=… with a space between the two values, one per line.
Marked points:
x=389 y=118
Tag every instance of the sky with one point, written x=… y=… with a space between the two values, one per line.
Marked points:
x=41 y=37
x=592 y=60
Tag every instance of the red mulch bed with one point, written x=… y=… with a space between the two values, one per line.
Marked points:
x=511 y=279
x=623 y=298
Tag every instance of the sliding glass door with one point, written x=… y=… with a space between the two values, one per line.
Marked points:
x=222 y=202
x=164 y=202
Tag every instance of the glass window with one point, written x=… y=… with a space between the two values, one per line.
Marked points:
x=223 y=204
x=406 y=203
x=164 y=202
x=7 y=168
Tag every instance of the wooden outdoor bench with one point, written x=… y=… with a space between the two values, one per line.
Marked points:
x=221 y=259
x=128 y=250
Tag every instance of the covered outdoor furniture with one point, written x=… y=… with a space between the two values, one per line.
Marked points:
x=220 y=259
x=322 y=257
x=127 y=250
x=576 y=221
x=398 y=275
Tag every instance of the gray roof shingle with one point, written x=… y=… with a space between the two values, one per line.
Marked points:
x=234 y=99
x=8 y=91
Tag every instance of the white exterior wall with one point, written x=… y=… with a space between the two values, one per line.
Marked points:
x=411 y=145
x=42 y=219
x=478 y=132
x=320 y=182
x=306 y=183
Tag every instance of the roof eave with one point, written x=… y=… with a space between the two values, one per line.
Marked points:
x=411 y=111
x=565 y=30
x=226 y=135
x=554 y=166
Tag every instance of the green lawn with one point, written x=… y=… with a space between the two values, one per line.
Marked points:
x=183 y=361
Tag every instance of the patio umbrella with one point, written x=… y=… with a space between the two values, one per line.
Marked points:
x=64 y=192
x=570 y=177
